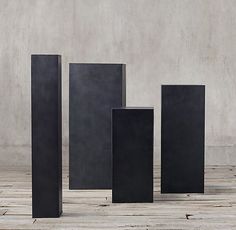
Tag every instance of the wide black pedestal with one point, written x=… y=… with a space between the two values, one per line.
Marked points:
x=94 y=90
x=46 y=136
x=182 y=138
x=132 y=147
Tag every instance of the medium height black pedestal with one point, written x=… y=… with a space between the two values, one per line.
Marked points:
x=182 y=138
x=132 y=147
x=94 y=90
x=46 y=136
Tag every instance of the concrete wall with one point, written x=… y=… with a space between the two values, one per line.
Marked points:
x=161 y=41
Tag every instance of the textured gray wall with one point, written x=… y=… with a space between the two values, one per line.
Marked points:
x=161 y=41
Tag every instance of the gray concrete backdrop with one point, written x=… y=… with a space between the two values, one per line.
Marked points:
x=161 y=41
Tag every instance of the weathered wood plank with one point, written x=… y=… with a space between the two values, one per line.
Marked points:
x=92 y=209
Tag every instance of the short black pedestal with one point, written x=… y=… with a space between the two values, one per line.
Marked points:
x=94 y=90
x=182 y=138
x=132 y=147
x=46 y=136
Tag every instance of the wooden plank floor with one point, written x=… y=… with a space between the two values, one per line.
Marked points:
x=89 y=209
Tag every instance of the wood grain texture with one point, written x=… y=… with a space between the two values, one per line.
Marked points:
x=92 y=209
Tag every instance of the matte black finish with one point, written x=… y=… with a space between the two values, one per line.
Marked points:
x=182 y=138
x=94 y=90
x=132 y=147
x=46 y=136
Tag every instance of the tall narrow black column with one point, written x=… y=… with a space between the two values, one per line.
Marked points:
x=94 y=90
x=182 y=138
x=132 y=147
x=46 y=136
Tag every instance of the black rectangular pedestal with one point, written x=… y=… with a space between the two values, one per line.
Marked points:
x=46 y=136
x=94 y=90
x=182 y=138
x=132 y=147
